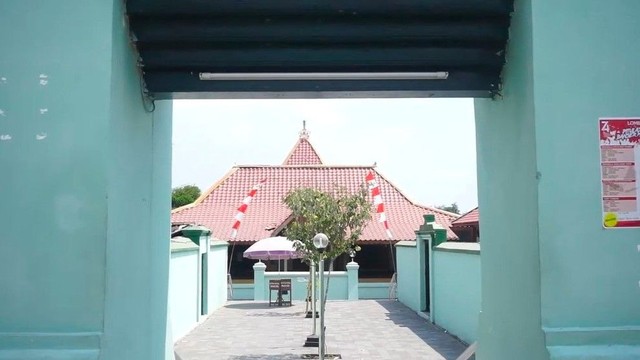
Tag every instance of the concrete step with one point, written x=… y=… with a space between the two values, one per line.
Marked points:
x=595 y=352
x=45 y=354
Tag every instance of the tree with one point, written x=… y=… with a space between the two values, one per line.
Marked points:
x=184 y=195
x=338 y=214
x=453 y=208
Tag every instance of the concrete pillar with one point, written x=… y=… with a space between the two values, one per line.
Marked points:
x=86 y=168
x=201 y=236
x=509 y=321
x=555 y=284
x=422 y=243
x=259 y=281
x=352 y=280
x=429 y=235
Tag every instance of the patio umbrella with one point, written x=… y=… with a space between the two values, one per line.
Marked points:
x=273 y=248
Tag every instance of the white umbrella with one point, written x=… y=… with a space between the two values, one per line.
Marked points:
x=273 y=248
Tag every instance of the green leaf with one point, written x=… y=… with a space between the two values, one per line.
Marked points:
x=339 y=214
x=184 y=195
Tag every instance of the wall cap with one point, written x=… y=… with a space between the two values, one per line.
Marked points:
x=296 y=274
x=215 y=243
x=406 y=243
x=462 y=247
x=180 y=244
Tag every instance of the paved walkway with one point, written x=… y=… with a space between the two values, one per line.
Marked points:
x=365 y=329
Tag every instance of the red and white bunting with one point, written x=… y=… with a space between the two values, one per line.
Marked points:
x=243 y=208
x=377 y=201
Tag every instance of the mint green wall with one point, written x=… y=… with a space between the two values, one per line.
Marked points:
x=139 y=173
x=510 y=321
x=183 y=286
x=299 y=281
x=338 y=286
x=455 y=284
x=217 y=274
x=589 y=276
x=456 y=289
x=549 y=265
x=374 y=290
x=183 y=292
x=87 y=199
x=409 y=276
x=53 y=197
x=242 y=291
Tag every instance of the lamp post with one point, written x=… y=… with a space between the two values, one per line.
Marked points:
x=313 y=296
x=321 y=241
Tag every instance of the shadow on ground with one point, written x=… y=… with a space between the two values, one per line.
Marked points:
x=257 y=357
x=266 y=357
x=271 y=311
x=424 y=330
x=277 y=357
x=300 y=314
x=255 y=305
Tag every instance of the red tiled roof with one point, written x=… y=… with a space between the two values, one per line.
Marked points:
x=471 y=217
x=303 y=153
x=267 y=214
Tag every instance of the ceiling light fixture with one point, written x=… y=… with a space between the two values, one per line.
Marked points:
x=439 y=75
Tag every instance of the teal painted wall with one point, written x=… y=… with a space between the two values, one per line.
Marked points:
x=374 y=290
x=456 y=291
x=242 y=291
x=338 y=287
x=183 y=286
x=586 y=66
x=549 y=264
x=81 y=269
x=183 y=292
x=299 y=281
x=53 y=197
x=217 y=275
x=409 y=275
x=138 y=226
x=510 y=321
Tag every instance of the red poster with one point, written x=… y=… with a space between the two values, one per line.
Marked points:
x=620 y=171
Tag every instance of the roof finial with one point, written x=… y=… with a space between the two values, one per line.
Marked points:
x=304 y=134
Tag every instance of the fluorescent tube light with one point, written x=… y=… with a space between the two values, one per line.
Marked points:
x=440 y=75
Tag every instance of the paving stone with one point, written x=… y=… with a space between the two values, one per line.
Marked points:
x=365 y=329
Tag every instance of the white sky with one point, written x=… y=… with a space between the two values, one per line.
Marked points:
x=426 y=147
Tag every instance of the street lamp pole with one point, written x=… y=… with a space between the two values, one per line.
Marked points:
x=320 y=242
x=313 y=296
x=321 y=338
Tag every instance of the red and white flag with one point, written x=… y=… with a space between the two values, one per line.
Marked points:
x=377 y=201
x=243 y=208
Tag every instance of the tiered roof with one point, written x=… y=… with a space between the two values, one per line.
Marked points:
x=268 y=215
x=302 y=153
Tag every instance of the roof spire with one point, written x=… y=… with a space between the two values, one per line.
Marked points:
x=303 y=152
x=304 y=134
